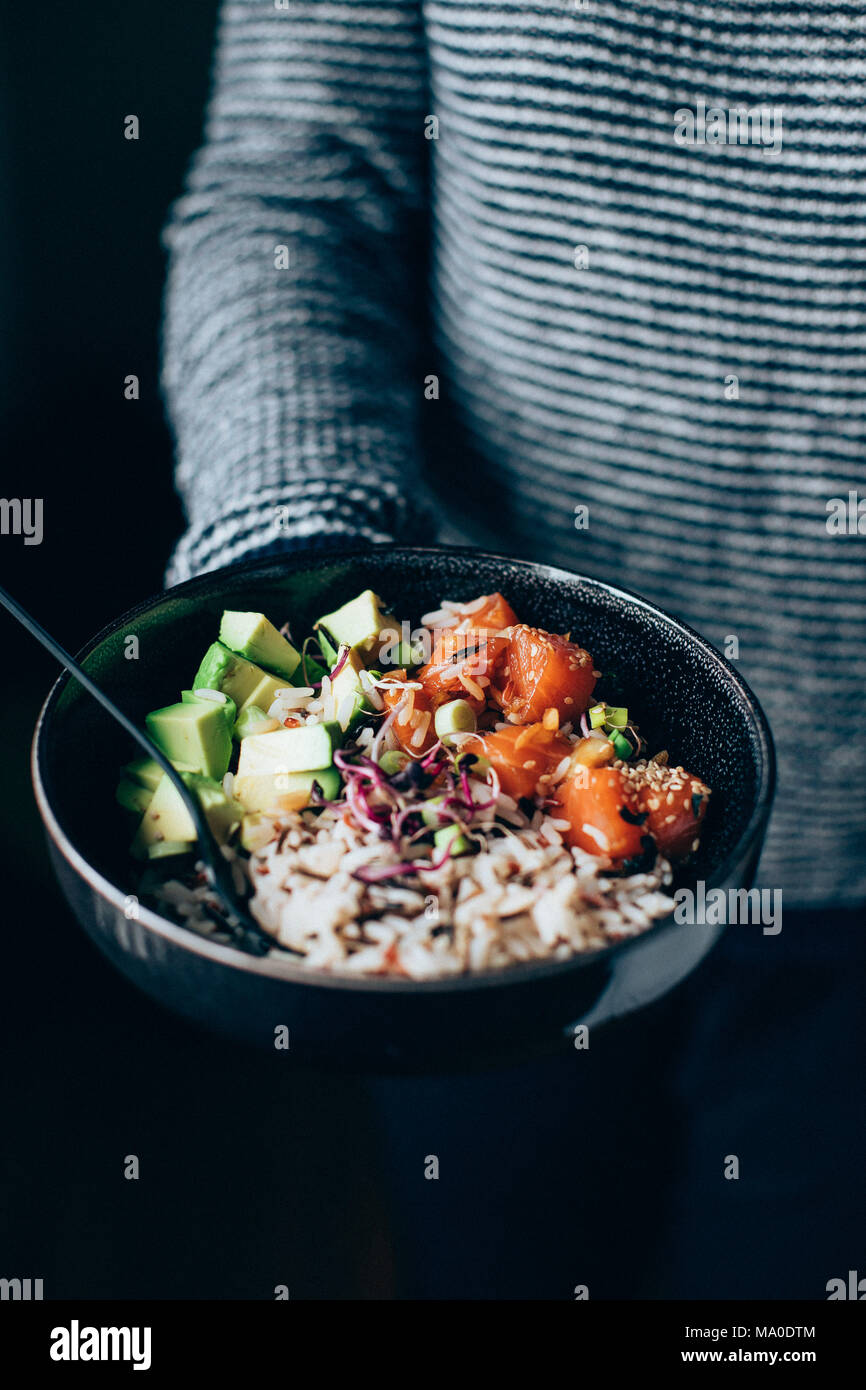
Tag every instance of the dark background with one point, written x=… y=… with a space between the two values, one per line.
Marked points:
x=253 y=1172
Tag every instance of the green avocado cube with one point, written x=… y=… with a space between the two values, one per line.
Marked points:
x=284 y=791
x=253 y=720
x=304 y=749
x=221 y=669
x=309 y=671
x=143 y=774
x=329 y=651
x=167 y=849
x=264 y=694
x=243 y=681
x=253 y=636
x=359 y=623
x=350 y=698
x=195 y=734
x=167 y=819
x=145 y=771
x=226 y=703
x=132 y=796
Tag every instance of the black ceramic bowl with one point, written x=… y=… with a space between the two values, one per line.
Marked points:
x=684 y=695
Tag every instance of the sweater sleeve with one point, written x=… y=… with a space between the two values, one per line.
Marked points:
x=291 y=359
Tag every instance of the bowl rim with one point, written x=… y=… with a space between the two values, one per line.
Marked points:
x=282 y=967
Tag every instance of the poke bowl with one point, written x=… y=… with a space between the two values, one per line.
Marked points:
x=461 y=790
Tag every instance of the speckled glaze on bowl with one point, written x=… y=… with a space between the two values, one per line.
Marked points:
x=682 y=692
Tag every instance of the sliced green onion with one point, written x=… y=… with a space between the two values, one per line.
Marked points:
x=476 y=765
x=597 y=716
x=393 y=761
x=457 y=717
x=451 y=835
x=430 y=811
x=621 y=745
x=406 y=655
x=616 y=717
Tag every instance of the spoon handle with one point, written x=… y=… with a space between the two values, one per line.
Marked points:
x=62 y=655
x=217 y=869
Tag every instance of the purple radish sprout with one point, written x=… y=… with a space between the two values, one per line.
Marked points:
x=432 y=755
x=362 y=811
x=371 y=874
x=455 y=800
x=465 y=787
x=342 y=658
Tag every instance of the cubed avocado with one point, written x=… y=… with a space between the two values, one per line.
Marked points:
x=304 y=749
x=284 y=791
x=145 y=771
x=329 y=651
x=225 y=703
x=253 y=636
x=309 y=671
x=168 y=849
x=253 y=720
x=195 y=734
x=217 y=665
x=246 y=683
x=265 y=692
x=359 y=623
x=350 y=699
x=167 y=818
x=132 y=796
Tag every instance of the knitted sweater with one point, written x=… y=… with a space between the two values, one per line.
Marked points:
x=583 y=282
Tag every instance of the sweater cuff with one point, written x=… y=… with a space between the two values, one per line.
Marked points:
x=270 y=528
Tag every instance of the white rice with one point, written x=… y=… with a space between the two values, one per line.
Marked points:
x=370 y=690
x=291 y=701
x=524 y=896
x=345 y=710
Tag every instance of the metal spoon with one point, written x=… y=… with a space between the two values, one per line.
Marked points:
x=245 y=929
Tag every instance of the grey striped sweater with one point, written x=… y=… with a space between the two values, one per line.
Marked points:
x=457 y=270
